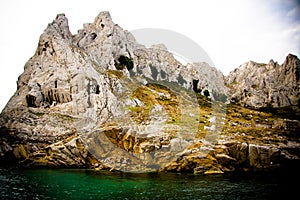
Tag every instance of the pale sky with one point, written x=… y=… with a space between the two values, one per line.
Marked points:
x=231 y=32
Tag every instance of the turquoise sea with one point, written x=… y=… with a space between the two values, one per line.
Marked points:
x=87 y=184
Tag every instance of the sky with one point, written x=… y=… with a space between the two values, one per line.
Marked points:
x=231 y=32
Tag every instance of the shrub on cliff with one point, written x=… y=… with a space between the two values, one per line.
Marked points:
x=124 y=61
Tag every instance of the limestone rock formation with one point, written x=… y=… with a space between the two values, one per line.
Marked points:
x=99 y=99
x=77 y=87
x=159 y=64
x=266 y=85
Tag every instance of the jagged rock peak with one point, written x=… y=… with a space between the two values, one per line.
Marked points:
x=263 y=85
x=102 y=17
x=59 y=27
x=292 y=62
x=291 y=57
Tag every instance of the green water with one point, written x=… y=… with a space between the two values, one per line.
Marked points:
x=86 y=184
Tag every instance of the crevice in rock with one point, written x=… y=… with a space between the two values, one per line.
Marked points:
x=30 y=99
x=195 y=86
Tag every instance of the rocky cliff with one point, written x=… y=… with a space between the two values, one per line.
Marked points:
x=266 y=85
x=99 y=99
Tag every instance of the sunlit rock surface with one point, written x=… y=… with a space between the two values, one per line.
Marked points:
x=266 y=85
x=98 y=99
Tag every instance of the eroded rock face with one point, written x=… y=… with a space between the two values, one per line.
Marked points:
x=99 y=99
x=266 y=85
x=76 y=86
x=158 y=64
x=65 y=89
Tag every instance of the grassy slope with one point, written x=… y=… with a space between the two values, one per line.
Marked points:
x=265 y=125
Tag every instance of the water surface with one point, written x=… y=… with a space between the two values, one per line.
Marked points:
x=87 y=184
